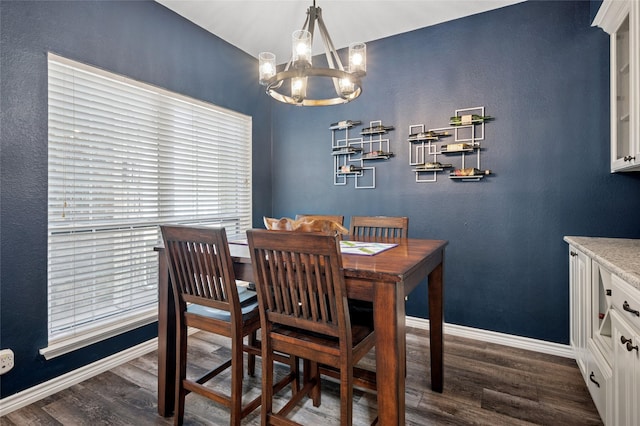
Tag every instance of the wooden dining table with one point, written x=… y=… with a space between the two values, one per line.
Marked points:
x=385 y=279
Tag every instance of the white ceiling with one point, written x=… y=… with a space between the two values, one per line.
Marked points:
x=266 y=25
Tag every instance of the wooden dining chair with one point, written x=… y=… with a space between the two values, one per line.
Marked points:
x=334 y=218
x=204 y=287
x=303 y=310
x=379 y=226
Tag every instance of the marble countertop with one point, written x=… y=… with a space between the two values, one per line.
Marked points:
x=621 y=256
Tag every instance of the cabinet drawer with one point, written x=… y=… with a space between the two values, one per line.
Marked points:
x=599 y=382
x=626 y=301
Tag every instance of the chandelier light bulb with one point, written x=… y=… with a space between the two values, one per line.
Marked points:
x=346 y=87
x=358 y=58
x=301 y=43
x=299 y=88
x=266 y=66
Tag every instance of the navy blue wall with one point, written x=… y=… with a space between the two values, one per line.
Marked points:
x=142 y=40
x=542 y=71
x=538 y=67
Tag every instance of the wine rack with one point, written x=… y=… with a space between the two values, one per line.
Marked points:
x=353 y=156
x=601 y=308
x=453 y=148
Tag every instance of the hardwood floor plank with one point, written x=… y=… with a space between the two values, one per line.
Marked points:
x=485 y=384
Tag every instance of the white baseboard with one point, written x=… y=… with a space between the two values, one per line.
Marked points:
x=38 y=392
x=535 y=345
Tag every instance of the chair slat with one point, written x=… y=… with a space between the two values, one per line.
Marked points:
x=379 y=226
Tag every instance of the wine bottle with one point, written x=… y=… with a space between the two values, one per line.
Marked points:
x=437 y=165
x=340 y=150
x=470 y=171
x=428 y=135
x=376 y=129
x=376 y=154
x=344 y=124
x=350 y=169
x=456 y=147
x=463 y=120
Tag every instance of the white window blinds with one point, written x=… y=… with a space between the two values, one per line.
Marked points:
x=125 y=157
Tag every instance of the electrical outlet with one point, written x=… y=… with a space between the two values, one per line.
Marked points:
x=6 y=360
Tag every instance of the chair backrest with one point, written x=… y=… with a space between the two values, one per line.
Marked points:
x=300 y=281
x=379 y=226
x=200 y=267
x=333 y=218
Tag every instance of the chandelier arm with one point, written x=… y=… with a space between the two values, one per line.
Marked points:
x=309 y=24
x=329 y=48
x=330 y=53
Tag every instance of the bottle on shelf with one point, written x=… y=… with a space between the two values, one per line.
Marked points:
x=470 y=172
x=429 y=135
x=376 y=129
x=350 y=169
x=344 y=124
x=373 y=155
x=436 y=165
x=457 y=147
x=342 y=150
x=464 y=120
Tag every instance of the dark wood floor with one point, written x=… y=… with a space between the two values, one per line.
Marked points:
x=485 y=384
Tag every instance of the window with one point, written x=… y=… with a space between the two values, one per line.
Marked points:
x=125 y=157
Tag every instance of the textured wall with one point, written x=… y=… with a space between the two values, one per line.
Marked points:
x=538 y=67
x=542 y=71
x=142 y=40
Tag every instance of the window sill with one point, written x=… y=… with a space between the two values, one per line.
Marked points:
x=65 y=345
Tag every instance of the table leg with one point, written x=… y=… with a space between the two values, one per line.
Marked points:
x=436 y=319
x=166 y=341
x=389 y=323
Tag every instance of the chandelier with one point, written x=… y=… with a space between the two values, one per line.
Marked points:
x=299 y=70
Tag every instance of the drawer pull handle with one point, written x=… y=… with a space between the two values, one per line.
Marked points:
x=629 y=343
x=573 y=253
x=591 y=377
x=627 y=308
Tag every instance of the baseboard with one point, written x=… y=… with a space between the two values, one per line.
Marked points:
x=535 y=345
x=38 y=392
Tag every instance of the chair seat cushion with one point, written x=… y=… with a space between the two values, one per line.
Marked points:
x=246 y=296
x=249 y=308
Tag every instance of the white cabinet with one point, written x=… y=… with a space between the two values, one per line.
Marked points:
x=621 y=20
x=587 y=282
x=604 y=288
x=579 y=297
x=625 y=321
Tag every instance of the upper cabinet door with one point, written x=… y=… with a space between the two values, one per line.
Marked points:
x=620 y=20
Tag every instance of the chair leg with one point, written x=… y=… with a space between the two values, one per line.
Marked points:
x=267 y=383
x=251 y=359
x=346 y=395
x=181 y=373
x=237 y=371
x=294 y=365
x=312 y=372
